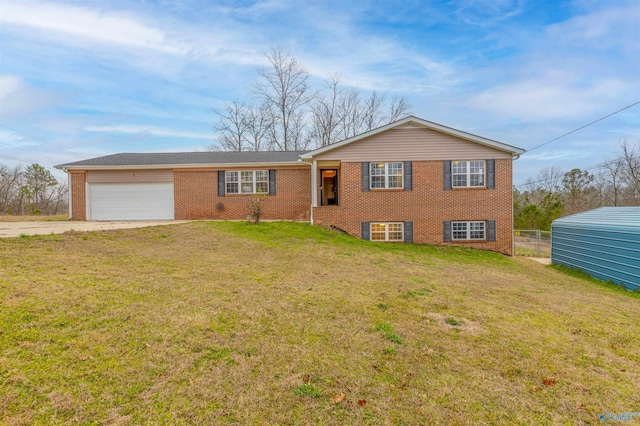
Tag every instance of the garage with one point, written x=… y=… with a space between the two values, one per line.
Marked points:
x=130 y=195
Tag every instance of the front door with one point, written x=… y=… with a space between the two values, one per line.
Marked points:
x=329 y=187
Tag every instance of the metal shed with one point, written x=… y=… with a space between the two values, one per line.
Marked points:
x=604 y=243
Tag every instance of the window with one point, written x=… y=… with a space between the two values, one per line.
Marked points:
x=468 y=230
x=386 y=175
x=467 y=173
x=247 y=182
x=393 y=231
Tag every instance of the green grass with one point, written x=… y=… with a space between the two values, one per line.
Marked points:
x=231 y=323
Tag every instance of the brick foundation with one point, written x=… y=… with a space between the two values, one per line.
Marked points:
x=427 y=205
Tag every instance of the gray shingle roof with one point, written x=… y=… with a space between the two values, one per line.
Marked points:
x=188 y=158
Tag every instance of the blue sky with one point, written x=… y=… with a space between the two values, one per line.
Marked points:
x=80 y=79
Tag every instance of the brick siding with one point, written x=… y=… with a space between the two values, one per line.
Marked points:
x=78 y=195
x=427 y=205
x=196 y=196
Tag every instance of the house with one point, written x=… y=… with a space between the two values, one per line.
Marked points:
x=604 y=243
x=412 y=180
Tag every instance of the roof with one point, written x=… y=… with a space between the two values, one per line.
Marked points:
x=627 y=218
x=423 y=123
x=185 y=159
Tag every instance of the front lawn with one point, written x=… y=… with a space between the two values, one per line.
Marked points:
x=286 y=323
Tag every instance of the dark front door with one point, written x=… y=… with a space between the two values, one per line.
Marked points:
x=329 y=187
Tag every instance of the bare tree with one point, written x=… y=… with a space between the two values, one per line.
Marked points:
x=259 y=124
x=283 y=88
x=325 y=123
x=349 y=113
x=613 y=175
x=372 y=115
x=400 y=107
x=550 y=179
x=232 y=127
x=631 y=161
x=31 y=191
x=284 y=115
x=10 y=183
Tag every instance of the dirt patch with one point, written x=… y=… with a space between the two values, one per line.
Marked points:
x=454 y=322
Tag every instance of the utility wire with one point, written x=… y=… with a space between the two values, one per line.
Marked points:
x=580 y=128
x=29 y=151
x=40 y=140
x=595 y=166
x=13 y=158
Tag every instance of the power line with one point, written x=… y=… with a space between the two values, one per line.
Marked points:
x=580 y=128
x=40 y=140
x=13 y=158
x=29 y=151
x=595 y=166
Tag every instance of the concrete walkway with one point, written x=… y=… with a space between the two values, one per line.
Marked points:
x=15 y=229
x=543 y=260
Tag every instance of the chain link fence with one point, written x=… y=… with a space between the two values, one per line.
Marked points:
x=532 y=242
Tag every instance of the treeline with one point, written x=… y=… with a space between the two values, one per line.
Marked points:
x=32 y=190
x=284 y=113
x=555 y=193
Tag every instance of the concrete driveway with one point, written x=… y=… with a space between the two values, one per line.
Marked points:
x=15 y=229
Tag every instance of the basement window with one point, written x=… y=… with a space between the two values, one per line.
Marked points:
x=468 y=230
x=387 y=231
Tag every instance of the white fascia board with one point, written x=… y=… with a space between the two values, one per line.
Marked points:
x=184 y=166
x=428 y=124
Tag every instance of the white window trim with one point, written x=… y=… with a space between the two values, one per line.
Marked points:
x=238 y=174
x=386 y=175
x=386 y=231
x=468 y=174
x=469 y=230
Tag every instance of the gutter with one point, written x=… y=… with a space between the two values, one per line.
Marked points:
x=70 y=191
x=301 y=160
x=66 y=167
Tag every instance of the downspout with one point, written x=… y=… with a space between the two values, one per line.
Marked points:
x=69 y=201
x=313 y=186
x=513 y=237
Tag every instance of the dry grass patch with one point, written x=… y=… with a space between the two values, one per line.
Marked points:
x=34 y=218
x=285 y=323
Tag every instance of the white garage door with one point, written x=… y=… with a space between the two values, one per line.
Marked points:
x=131 y=201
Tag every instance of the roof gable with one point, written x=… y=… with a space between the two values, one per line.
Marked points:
x=412 y=121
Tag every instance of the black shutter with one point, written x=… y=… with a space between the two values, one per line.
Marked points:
x=447 y=174
x=447 y=231
x=366 y=231
x=408 y=176
x=220 y=183
x=365 y=176
x=272 y=182
x=408 y=232
x=491 y=174
x=491 y=230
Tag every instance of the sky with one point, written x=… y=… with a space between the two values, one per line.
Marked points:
x=82 y=79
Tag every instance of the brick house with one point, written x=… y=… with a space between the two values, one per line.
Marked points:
x=412 y=180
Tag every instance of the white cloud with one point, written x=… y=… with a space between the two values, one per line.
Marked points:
x=551 y=96
x=109 y=27
x=147 y=130
x=484 y=12
x=17 y=98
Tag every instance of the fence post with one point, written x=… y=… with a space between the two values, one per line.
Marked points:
x=537 y=242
